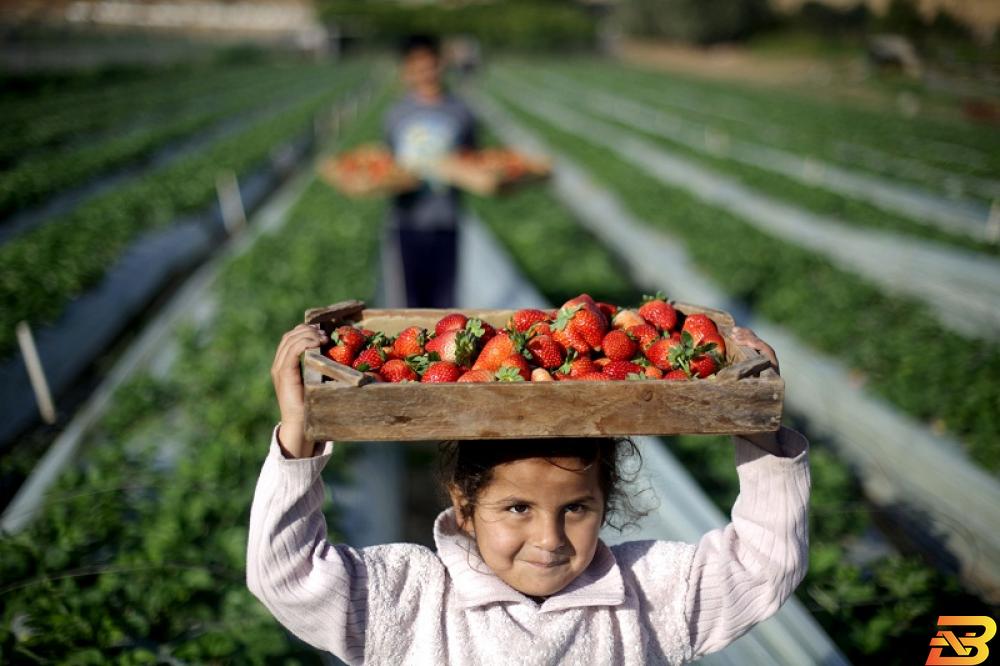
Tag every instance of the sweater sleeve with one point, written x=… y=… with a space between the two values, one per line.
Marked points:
x=742 y=573
x=315 y=589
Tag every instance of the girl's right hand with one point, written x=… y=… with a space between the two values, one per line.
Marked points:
x=287 y=378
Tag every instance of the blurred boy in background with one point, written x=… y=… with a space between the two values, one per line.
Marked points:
x=427 y=124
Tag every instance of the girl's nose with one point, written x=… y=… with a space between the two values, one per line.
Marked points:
x=550 y=535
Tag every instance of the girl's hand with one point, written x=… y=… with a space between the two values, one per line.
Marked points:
x=287 y=378
x=767 y=441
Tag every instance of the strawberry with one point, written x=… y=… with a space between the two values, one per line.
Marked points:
x=602 y=361
x=476 y=376
x=545 y=351
x=522 y=320
x=704 y=365
x=345 y=343
x=625 y=319
x=441 y=372
x=369 y=359
x=576 y=366
x=592 y=377
x=396 y=370
x=455 y=346
x=607 y=309
x=653 y=372
x=716 y=339
x=504 y=344
x=699 y=325
x=410 y=342
x=618 y=346
x=541 y=328
x=676 y=375
x=541 y=375
x=570 y=340
x=659 y=353
x=476 y=325
x=658 y=312
x=582 y=323
x=645 y=334
x=515 y=364
x=619 y=370
x=450 y=322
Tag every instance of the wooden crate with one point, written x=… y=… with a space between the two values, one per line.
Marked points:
x=344 y=404
x=374 y=173
x=487 y=178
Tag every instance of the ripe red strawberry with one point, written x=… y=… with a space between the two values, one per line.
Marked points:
x=476 y=376
x=545 y=351
x=514 y=365
x=658 y=312
x=410 y=342
x=676 y=375
x=488 y=332
x=720 y=344
x=441 y=372
x=570 y=340
x=607 y=309
x=369 y=359
x=659 y=353
x=592 y=377
x=699 y=325
x=504 y=344
x=619 y=370
x=345 y=343
x=625 y=319
x=618 y=346
x=455 y=321
x=703 y=366
x=522 y=320
x=455 y=346
x=645 y=334
x=541 y=375
x=653 y=372
x=601 y=361
x=576 y=366
x=541 y=328
x=396 y=370
x=582 y=323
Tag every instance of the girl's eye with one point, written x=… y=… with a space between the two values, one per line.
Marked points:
x=575 y=508
x=518 y=508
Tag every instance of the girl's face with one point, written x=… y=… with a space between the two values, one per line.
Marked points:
x=537 y=522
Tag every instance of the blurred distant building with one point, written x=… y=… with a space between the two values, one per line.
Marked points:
x=266 y=21
x=980 y=16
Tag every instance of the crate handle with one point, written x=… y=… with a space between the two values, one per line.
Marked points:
x=752 y=366
x=336 y=371
x=334 y=313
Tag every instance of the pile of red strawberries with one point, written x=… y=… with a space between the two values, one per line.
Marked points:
x=583 y=340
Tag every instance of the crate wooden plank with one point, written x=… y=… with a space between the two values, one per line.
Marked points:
x=343 y=404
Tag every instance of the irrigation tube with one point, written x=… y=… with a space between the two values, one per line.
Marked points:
x=942 y=500
x=684 y=512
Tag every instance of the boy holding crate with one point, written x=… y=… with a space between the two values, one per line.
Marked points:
x=425 y=126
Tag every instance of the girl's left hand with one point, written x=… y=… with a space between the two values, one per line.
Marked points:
x=768 y=441
x=747 y=338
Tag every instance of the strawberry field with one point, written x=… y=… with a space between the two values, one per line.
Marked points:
x=136 y=553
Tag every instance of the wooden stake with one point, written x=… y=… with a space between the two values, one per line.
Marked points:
x=993 y=223
x=230 y=202
x=36 y=373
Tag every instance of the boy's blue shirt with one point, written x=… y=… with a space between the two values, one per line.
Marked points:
x=417 y=134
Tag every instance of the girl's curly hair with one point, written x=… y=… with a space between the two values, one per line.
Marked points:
x=467 y=466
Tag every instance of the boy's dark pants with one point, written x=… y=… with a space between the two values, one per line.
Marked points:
x=430 y=263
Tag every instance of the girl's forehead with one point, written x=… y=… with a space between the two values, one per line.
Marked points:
x=539 y=476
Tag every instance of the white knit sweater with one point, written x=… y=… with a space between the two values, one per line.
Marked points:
x=641 y=602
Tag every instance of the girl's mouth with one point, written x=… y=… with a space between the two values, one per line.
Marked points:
x=547 y=565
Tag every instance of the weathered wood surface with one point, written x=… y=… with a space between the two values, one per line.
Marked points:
x=498 y=410
x=350 y=406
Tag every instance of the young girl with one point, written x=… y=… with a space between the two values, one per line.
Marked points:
x=520 y=575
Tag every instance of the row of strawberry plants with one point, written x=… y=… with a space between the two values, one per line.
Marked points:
x=139 y=554
x=36 y=178
x=867 y=607
x=57 y=119
x=811 y=198
x=894 y=344
x=810 y=126
x=41 y=270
